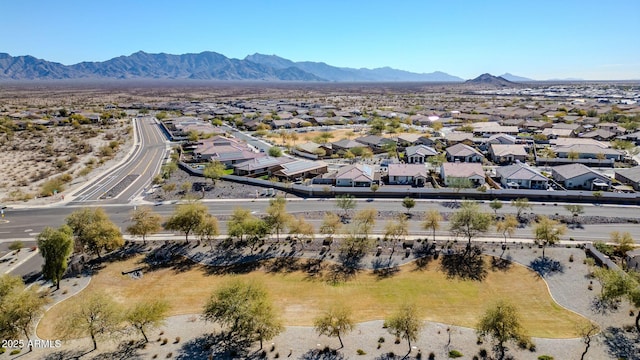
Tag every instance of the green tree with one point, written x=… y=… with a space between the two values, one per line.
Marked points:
x=168 y=169
x=547 y=232
x=331 y=224
x=20 y=308
x=432 y=219
x=300 y=228
x=335 y=321
x=345 y=203
x=575 y=211
x=148 y=314
x=56 y=245
x=507 y=226
x=96 y=315
x=214 y=171
x=521 y=204
x=275 y=151
x=208 y=230
x=144 y=222
x=495 y=205
x=408 y=203
x=277 y=216
x=187 y=218
x=437 y=160
x=397 y=229
x=94 y=231
x=244 y=226
x=405 y=323
x=469 y=221
x=244 y=311
x=624 y=242
x=502 y=323
x=364 y=221
x=573 y=155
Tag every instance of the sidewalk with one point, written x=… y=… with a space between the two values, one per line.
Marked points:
x=13 y=259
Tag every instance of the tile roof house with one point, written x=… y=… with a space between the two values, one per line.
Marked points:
x=463 y=153
x=405 y=140
x=357 y=175
x=457 y=170
x=629 y=176
x=502 y=139
x=521 y=176
x=407 y=174
x=507 y=153
x=589 y=152
x=418 y=154
x=453 y=138
x=226 y=150
x=376 y=143
x=579 y=176
x=345 y=144
x=599 y=134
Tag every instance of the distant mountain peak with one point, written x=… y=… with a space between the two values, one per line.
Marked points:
x=490 y=80
x=515 y=78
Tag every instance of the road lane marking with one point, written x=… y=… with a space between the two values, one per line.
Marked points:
x=15 y=266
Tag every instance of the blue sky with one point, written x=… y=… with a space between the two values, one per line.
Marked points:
x=539 y=39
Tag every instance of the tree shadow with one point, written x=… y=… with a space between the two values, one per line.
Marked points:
x=384 y=267
x=285 y=264
x=324 y=354
x=313 y=269
x=466 y=265
x=424 y=254
x=501 y=264
x=621 y=344
x=198 y=348
x=339 y=273
x=546 y=266
x=215 y=346
x=604 y=306
x=126 y=350
x=65 y=355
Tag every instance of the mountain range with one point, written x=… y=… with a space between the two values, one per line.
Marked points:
x=209 y=65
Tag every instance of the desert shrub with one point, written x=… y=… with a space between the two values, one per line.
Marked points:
x=50 y=186
x=381 y=339
x=455 y=354
x=165 y=341
x=361 y=352
x=105 y=151
x=14 y=352
x=606 y=249
x=432 y=356
x=2 y=350
x=177 y=340
x=545 y=357
x=483 y=353
x=16 y=245
x=85 y=171
x=571 y=258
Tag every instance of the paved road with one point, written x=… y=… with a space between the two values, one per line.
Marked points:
x=26 y=223
x=123 y=183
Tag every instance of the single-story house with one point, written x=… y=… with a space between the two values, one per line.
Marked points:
x=406 y=140
x=418 y=154
x=259 y=166
x=345 y=144
x=502 y=139
x=376 y=143
x=300 y=169
x=463 y=153
x=590 y=152
x=226 y=150
x=407 y=174
x=457 y=170
x=521 y=176
x=629 y=176
x=579 y=176
x=507 y=153
x=357 y=175
x=312 y=150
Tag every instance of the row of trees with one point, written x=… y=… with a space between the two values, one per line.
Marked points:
x=98 y=316
x=246 y=314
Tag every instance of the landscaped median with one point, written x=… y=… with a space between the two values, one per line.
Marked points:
x=301 y=296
